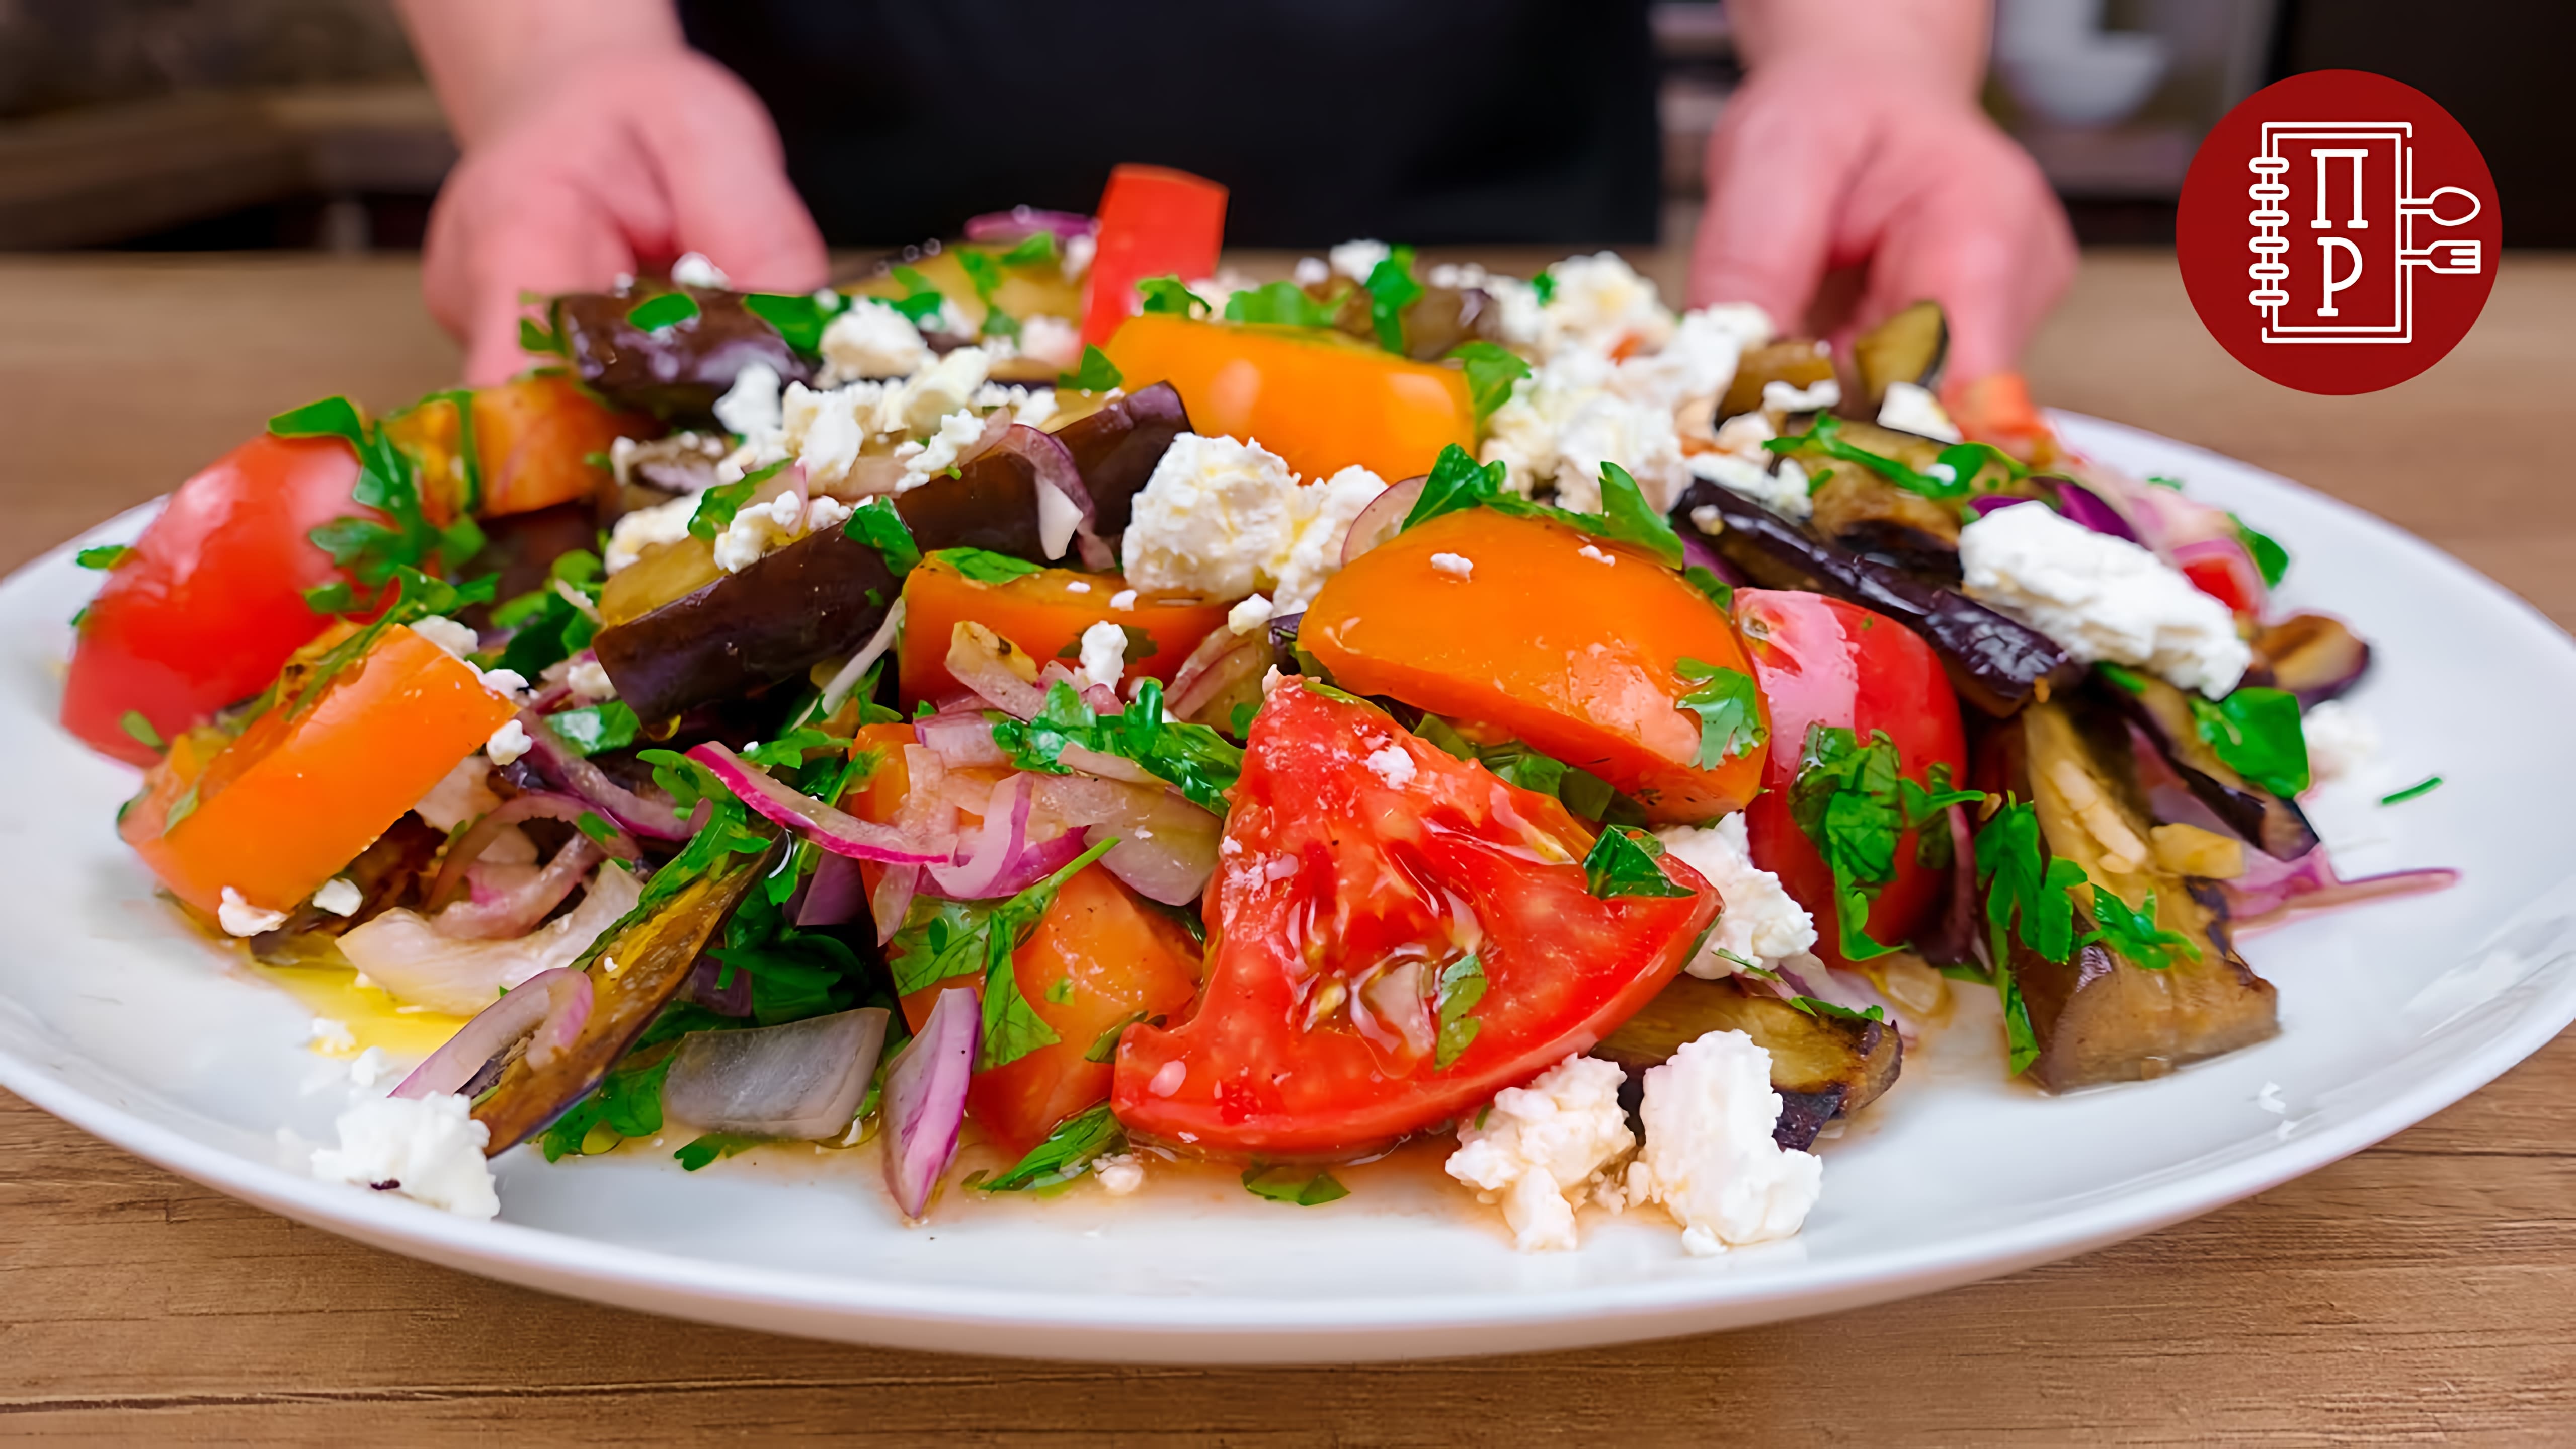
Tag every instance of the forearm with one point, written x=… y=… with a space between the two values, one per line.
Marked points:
x=1945 y=40
x=485 y=57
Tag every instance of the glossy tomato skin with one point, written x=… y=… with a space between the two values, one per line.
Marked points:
x=1823 y=661
x=211 y=601
x=1359 y=863
x=2226 y=581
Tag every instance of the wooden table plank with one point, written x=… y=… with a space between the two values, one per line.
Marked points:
x=2417 y=1292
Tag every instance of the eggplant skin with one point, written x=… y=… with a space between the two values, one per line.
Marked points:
x=1116 y=448
x=1823 y=1067
x=678 y=372
x=2274 y=824
x=1997 y=664
x=816 y=599
x=2101 y=1019
x=2311 y=655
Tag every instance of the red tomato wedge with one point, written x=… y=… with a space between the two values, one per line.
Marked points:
x=210 y=601
x=1154 y=222
x=1361 y=867
x=1821 y=661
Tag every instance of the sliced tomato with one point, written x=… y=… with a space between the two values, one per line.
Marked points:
x=1154 y=222
x=1045 y=614
x=2230 y=579
x=539 y=440
x=275 y=813
x=206 y=607
x=1577 y=646
x=1821 y=661
x=1361 y=867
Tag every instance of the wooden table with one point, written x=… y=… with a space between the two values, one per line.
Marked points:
x=2424 y=1290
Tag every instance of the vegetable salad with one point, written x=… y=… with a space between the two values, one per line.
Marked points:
x=1058 y=693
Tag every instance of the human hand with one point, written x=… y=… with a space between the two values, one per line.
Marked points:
x=1828 y=161
x=621 y=163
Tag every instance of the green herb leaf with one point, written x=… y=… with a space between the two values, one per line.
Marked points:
x=1545 y=285
x=1165 y=296
x=789 y=750
x=1491 y=370
x=597 y=828
x=1065 y=1155
x=370 y=549
x=1461 y=986
x=667 y=309
x=1729 y=710
x=2133 y=934
x=104 y=556
x=1104 y=1048
x=719 y=506
x=1036 y=247
x=702 y=1150
x=1293 y=1185
x=2425 y=786
x=1967 y=460
x=877 y=524
x=2272 y=560
x=1845 y=801
x=982 y=566
x=2256 y=731
x=1012 y=1027
x=1457 y=481
x=1392 y=288
x=1096 y=374
x=135 y=725
x=536 y=336
x=1627 y=518
x=920 y=302
x=801 y=319
x=1815 y=1006
x=594 y=728
x=2026 y=888
x=1719 y=591
x=1282 y=304
x=984 y=274
x=939 y=941
x=628 y=1101
x=1623 y=863
x=1824 y=436
x=180 y=809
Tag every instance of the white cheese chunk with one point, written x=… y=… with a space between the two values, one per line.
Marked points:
x=1217 y=517
x=1455 y=565
x=508 y=743
x=1709 y=1158
x=2101 y=597
x=429 y=1149
x=1104 y=656
x=1781 y=397
x=340 y=896
x=239 y=917
x=1541 y=1150
x=1910 y=408
x=663 y=523
x=2341 y=740
x=1322 y=514
x=1761 y=924
x=694 y=270
x=872 y=339
x=750 y=408
x=447 y=634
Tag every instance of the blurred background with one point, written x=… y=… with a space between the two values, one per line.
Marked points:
x=304 y=124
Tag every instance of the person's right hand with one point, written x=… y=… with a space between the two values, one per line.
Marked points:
x=623 y=163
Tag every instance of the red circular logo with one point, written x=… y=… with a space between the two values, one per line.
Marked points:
x=2338 y=232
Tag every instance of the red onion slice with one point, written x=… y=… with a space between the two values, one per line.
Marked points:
x=1382 y=519
x=401 y=951
x=964 y=740
x=1064 y=504
x=2084 y=506
x=1697 y=553
x=1005 y=228
x=550 y=1008
x=999 y=859
x=925 y=1099
x=835 y=895
x=800 y=1080
x=533 y=805
x=2271 y=891
x=1167 y=847
x=652 y=819
x=834 y=830
x=517 y=910
x=892 y=899
x=869 y=653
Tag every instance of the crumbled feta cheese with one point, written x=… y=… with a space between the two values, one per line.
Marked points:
x=1217 y=517
x=1078 y=252
x=1784 y=492
x=1249 y=615
x=1077 y=586
x=1051 y=340
x=589 y=682
x=1356 y=259
x=1744 y=434
x=1312 y=271
x=1323 y=513
x=923 y=402
x=1120 y=1173
x=507 y=683
x=1708 y=520
x=2101 y=597
x=1761 y=924
x=823 y=431
x=1599 y=302
x=1561 y=424
x=1456 y=566
x=1709 y=1158
x=955 y=437
x=872 y=339
x=1699 y=362
x=462 y=794
x=749 y=408
x=239 y=917
x=370 y=1067
x=1543 y=1149
x=1392 y=766
x=429 y=1149
x=1910 y=408
x=1781 y=397
x=1104 y=656
x=447 y=634
x=1123 y=600
x=2341 y=740
x=694 y=270
x=340 y=896
x=330 y=1036
x=507 y=744
x=662 y=523
x=1595 y=554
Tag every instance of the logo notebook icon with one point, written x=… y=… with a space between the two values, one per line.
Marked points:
x=2357 y=232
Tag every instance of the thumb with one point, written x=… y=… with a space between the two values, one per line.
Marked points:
x=1777 y=174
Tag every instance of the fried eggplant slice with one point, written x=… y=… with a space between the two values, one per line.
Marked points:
x=1115 y=449
x=644 y=962
x=1823 y=1067
x=818 y=598
x=2100 y=1017
x=675 y=372
x=2274 y=824
x=1908 y=347
x=1798 y=361
x=2310 y=655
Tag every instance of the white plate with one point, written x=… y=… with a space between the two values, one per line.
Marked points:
x=115 y=1018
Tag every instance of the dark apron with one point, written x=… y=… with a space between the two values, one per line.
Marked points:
x=1420 y=121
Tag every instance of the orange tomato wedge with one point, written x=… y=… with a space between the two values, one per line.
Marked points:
x=278 y=811
x=1319 y=399
x=536 y=437
x=1045 y=614
x=1577 y=655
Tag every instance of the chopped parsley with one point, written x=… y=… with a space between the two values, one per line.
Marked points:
x=1461 y=986
x=669 y=309
x=1194 y=758
x=1293 y=1185
x=134 y=724
x=1392 y=288
x=1845 y=801
x=601 y=833
x=1280 y=304
x=707 y=1148
x=877 y=524
x=1104 y=1047
x=1457 y=481
x=1623 y=863
x=1012 y=1027
x=1966 y=460
x=1036 y=247
x=719 y=506
x=1065 y=1155
x=2026 y=896
x=104 y=556
x=1165 y=296
x=1824 y=435
x=548 y=626
x=983 y=566
x=1095 y=374
x=1491 y=370
x=596 y=728
x=920 y=301
x=1729 y=710
x=789 y=750
x=984 y=274
x=2270 y=559
x=2256 y=732
x=388 y=482
x=1545 y=285
x=2425 y=786
x=1817 y=1006
x=627 y=1102
x=2133 y=934
x=1579 y=790
x=800 y=319
x=1719 y=591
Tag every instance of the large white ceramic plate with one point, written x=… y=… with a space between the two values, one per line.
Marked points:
x=115 y=1018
